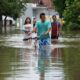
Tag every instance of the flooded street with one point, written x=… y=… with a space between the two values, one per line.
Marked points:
x=20 y=61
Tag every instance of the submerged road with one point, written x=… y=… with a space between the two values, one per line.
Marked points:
x=19 y=61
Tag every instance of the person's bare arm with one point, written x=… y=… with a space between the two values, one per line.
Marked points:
x=48 y=31
x=34 y=30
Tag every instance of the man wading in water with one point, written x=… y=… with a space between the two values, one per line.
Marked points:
x=56 y=25
x=43 y=27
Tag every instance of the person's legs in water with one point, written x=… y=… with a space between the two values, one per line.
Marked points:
x=44 y=47
x=54 y=37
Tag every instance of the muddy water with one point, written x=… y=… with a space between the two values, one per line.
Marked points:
x=20 y=61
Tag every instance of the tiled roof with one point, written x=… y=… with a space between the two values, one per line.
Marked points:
x=47 y=3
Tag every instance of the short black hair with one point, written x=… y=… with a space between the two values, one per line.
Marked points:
x=54 y=16
x=42 y=14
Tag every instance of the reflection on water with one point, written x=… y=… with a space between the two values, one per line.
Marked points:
x=51 y=66
x=19 y=61
x=71 y=59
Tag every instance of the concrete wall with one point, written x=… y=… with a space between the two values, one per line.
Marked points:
x=37 y=12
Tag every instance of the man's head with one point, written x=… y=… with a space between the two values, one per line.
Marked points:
x=54 y=17
x=42 y=17
x=34 y=20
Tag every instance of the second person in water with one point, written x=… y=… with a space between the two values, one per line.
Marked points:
x=56 y=27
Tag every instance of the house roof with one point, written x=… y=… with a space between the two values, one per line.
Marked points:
x=46 y=3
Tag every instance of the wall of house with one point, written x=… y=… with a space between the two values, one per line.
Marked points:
x=37 y=11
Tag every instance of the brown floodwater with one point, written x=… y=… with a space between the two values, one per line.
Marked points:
x=19 y=60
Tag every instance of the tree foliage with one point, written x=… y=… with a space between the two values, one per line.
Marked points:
x=12 y=8
x=59 y=6
x=72 y=15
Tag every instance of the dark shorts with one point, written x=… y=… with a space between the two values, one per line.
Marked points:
x=54 y=37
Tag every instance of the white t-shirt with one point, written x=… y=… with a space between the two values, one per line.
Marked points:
x=28 y=27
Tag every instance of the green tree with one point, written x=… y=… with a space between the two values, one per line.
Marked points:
x=59 y=6
x=72 y=15
x=11 y=8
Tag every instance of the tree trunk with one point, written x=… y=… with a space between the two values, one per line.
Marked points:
x=0 y=23
x=5 y=23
